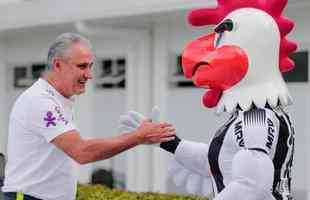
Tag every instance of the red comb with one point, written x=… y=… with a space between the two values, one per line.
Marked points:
x=212 y=16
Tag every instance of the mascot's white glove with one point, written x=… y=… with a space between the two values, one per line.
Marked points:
x=193 y=182
x=132 y=120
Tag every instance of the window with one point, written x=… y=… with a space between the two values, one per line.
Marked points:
x=112 y=73
x=177 y=78
x=300 y=72
x=26 y=75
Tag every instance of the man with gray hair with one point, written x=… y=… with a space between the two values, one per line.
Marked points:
x=44 y=145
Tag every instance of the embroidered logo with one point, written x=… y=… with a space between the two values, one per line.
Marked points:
x=61 y=117
x=50 y=119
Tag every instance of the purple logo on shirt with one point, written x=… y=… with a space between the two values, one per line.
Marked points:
x=50 y=120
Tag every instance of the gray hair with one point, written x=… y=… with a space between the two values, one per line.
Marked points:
x=60 y=47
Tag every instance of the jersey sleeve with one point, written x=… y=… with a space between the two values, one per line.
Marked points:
x=48 y=119
x=257 y=129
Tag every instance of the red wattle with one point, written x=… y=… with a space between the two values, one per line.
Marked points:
x=211 y=98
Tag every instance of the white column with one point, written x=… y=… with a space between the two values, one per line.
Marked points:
x=139 y=162
x=4 y=111
x=160 y=87
x=83 y=114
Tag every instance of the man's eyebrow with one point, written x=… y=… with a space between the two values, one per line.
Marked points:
x=85 y=64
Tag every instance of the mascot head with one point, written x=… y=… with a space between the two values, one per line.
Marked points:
x=242 y=61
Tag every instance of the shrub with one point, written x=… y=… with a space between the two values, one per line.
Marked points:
x=98 y=192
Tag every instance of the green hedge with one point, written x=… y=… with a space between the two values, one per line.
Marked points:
x=96 y=192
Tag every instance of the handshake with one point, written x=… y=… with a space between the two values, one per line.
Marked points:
x=148 y=130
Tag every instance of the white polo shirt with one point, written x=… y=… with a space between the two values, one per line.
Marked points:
x=36 y=166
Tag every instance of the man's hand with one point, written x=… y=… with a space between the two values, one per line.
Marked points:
x=153 y=133
x=133 y=121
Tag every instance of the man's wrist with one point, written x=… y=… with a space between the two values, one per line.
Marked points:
x=138 y=137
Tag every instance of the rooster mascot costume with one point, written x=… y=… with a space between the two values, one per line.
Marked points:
x=240 y=64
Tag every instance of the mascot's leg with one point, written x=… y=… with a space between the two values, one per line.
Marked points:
x=252 y=177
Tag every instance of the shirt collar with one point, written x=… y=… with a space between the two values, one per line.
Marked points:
x=53 y=92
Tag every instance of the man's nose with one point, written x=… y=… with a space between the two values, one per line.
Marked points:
x=89 y=73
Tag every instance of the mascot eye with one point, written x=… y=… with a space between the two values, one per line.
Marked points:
x=218 y=39
x=226 y=25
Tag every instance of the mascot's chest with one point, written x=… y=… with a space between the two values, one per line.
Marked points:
x=228 y=137
x=248 y=130
x=225 y=143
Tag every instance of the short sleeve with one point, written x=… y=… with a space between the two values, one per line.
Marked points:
x=260 y=129
x=48 y=118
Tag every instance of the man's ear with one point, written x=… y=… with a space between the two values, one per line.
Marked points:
x=56 y=64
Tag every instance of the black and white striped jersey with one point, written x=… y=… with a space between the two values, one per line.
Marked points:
x=266 y=130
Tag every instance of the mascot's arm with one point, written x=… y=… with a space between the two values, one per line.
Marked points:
x=191 y=155
x=252 y=177
x=189 y=167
